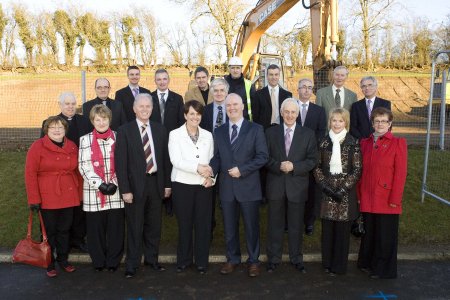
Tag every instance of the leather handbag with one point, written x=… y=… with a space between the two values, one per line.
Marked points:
x=358 y=227
x=32 y=252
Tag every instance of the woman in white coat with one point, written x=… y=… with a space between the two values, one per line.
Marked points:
x=101 y=197
x=190 y=149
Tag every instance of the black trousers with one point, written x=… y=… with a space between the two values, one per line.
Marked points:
x=78 y=227
x=192 y=206
x=275 y=230
x=143 y=218
x=312 y=205
x=335 y=245
x=105 y=235
x=378 y=250
x=57 y=224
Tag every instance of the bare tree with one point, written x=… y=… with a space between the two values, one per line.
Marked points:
x=49 y=36
x=422 y=38
x=3 y=23
x=65 y=28
x=373 y=15
x=176 y=42
x=117 y=39
x=129 y=36
x=26 y=34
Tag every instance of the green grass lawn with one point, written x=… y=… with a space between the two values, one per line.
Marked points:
x=422 y=225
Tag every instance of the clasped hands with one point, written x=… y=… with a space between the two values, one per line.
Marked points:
x=286 y=166
x=336 y=195
x=206 y=172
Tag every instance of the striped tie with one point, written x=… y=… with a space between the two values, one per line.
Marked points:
x=147 y=148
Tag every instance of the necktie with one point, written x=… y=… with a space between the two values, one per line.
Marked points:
x=287 y=140
x=135 y=92
x=303 y=113
x=273 y=100
x=233 y=134
x=337 y=98
x=219 y=120
x=369 y=110
x=147 y=148
x=162 y=106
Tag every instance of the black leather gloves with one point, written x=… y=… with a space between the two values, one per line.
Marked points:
x=35 y=207
x=339 y=195
x=327 y=190
x=107 y=188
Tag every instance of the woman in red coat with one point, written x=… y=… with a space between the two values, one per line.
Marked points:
x=380 y=193
x=54 y=186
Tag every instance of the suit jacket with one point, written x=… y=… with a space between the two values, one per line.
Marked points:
x=262 y=105
x=173 y=113
x=126 y=97
x=208 y=121
x=79 y=126
x=360 y=126
x=185 y=156
x=302 y=154
x=194 y=93
x=130 y=159
x=384 y=170
x=325 y=99
x=315 y=120
x=248 y=153
x=118 y=114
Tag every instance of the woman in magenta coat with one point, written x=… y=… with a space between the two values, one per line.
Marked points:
x=53 y=186
x=380 y=193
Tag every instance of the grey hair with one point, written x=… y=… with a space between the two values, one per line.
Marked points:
x=372 y=78
x=340 y=68
x=143 y=95
x=233 y=95
x=65 y=95
x=287 y=101
x=219 y=81
x=303 y=80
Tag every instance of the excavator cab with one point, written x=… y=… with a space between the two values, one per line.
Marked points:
x=257 y=69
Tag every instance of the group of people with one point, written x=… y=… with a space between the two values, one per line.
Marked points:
x=333 y=159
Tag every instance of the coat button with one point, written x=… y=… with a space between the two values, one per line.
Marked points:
x=197 y=156
x=94 y=182
x=385 y=185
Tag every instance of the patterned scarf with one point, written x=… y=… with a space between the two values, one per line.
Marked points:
x=97 y=158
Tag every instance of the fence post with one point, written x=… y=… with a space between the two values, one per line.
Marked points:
x=83 y=86
x=442 y=113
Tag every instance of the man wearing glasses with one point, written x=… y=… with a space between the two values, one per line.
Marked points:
x=102 y=88
x=313 y=117
x=360 y=126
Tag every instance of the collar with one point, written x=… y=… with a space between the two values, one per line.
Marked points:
x=222 y=105
x=166 y=93
x=285 y=127
x=371 y=99
x=335 y=88
x=133 y=87
x=388 y=135
x=276 y=88
x=238 y=123
x=140 y=123
x=300 y=104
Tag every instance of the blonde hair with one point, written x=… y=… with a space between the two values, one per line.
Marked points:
x=341 y=112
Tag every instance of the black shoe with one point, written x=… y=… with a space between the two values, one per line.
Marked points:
x=332 y=274
x=374 y=276
x=271 y=267
x=327 y=270
x=181 y=269
x=365 y=270
x=99 y=269
x=309 y=230
x=112 y=269
x=155 y=266
x=83 y=247
x=300 y=267
x=130 y=272
x=201 y=270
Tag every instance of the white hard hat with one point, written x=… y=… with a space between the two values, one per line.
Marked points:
x=235 y=61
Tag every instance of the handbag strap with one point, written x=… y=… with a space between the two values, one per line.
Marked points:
x=30 y=225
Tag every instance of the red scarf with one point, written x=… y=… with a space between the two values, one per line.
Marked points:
x=97 y=158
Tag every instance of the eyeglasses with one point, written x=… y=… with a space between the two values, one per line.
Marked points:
x=102 y=87
x=383 y=122
x=56 y=128
x=366 y=86
x=306 y=87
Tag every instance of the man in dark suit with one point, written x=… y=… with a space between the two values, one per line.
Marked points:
x=313 y=117
x=78 y=126
x=336 y=95
x=292 y=155
x=143 y=172
x=127 y=94
x=240 y=151
x=214 y=114
x=102 y=88
x=360 y=126
x=167 y=105
x=267 y=101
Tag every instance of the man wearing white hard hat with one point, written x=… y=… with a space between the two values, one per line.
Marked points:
x=239 y=85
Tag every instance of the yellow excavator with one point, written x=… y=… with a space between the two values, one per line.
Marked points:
x=324 y=32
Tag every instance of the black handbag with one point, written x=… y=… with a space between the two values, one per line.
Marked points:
x=358 y=227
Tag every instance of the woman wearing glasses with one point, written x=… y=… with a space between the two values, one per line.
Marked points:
x=54 y=186
x=380 y=193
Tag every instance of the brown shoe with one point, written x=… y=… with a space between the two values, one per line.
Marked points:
x=228 y=268
x=253 y=270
